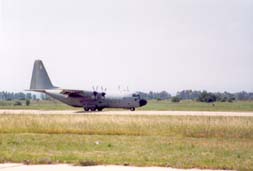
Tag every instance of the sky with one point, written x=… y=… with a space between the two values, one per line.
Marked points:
x=146 y=45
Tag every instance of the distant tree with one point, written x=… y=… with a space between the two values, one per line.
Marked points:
x=207 y=97
x=224 y=99
x=188 y=94
x=20 y=96
x=34 y=97
x=163 y=95
x=27 y=102
x=29 y=96
x=175 y=99
x=243 y=96
x=231 y=99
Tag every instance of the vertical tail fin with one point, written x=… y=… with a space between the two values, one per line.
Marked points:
x=40 y=78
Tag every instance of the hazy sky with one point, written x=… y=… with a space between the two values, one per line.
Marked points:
x=143 y=44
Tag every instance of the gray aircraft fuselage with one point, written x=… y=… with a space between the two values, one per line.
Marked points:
x=97 y=103
x=89 y=100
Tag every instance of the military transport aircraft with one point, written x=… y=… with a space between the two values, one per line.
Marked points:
x=89 y=100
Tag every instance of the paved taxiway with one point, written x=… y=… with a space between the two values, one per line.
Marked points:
x=126 y=112
x=64 y=167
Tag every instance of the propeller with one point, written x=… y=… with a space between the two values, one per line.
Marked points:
x=103 y=91
x=96 y=94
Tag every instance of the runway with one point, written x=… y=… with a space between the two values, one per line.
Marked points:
x=126 y=112
x=65 y=167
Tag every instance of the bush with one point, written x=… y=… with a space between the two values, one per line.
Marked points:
x=175 y=99
x=223 y=99
x=17 y=103
x=44 y=161
x=207 y=97
x=231 y=99
x=87 y=163
x=27 y=102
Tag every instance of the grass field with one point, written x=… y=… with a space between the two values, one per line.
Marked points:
x=175 y=141
x=189 y=105
x=36 y=105
x=186 y=105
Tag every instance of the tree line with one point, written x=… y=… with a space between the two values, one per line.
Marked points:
x=202 y=96
x=9 y=96
x=4 y=95
x=205 y=96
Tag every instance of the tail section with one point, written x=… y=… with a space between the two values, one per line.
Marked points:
x=40 y=79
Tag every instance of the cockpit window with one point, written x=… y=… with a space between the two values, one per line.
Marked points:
x=136 y=95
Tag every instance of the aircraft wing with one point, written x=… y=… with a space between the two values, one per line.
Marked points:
x=78 y=93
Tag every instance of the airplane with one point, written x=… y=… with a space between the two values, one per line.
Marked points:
x=88 y=100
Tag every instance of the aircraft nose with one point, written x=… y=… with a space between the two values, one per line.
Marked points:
x=143 y=102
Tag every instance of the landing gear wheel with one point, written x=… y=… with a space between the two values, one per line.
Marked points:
x=93 y=109
x=132 y=109
x=86 y=109
x=100 y=109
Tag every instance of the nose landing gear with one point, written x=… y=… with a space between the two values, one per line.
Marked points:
x=132 y=109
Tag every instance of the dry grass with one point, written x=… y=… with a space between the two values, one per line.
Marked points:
x=185 y=126
x=175 y=141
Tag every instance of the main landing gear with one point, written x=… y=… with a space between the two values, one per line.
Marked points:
x=93 y=109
